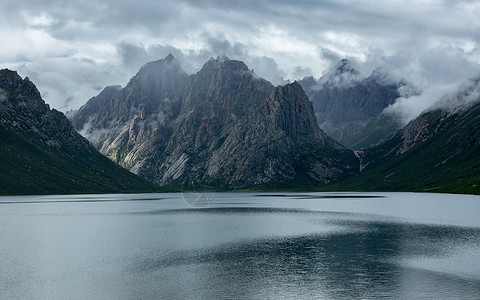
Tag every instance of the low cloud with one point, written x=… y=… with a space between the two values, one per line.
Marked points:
x=330 y=56
x=408 y=108
x=71 y=49
x=67 y=83
x=437 y=70
x=263 y=66
x=133 y=56
x=301 y=72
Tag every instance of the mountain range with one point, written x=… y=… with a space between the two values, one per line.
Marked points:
x=223 y=126
x=226 y=127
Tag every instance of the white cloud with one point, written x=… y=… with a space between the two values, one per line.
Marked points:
x=437 y=69
x=410 y=107
x=70 y=49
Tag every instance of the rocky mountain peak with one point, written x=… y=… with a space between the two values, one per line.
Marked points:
x=380 y=76
x=21 y=91
x=345 y=66
x=94 y=106
x=26 y=113
x=227 y=83
x=350 y=108
x=109 y=91
x=223 y=125
x=43 y=153
x=160 y=67
x=278 y=140
x=9 y=79
x=150 y=99
x=342 y=75
x=169 y=58
x=111 y=88
x=155 y=81
x=223 y=63
x=219 y=59
x=294 y=113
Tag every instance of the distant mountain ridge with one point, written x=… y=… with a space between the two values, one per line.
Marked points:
x=205 y=128
x=43 y=154
x=349 y=108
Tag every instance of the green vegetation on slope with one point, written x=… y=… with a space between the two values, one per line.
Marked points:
x=28 y=168
x=41 y=153
x=448 y=161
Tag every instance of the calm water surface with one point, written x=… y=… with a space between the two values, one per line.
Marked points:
x=242 y=245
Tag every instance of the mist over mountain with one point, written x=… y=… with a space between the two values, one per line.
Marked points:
x=42 y=153
x=224 y=125
x=350 y=107
x=227 y=127
x=438 y=151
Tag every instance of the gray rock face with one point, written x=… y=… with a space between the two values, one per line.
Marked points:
x=280 y=141
x=82 y=117
x=223 y=126
x=126 y=124
x=216 y=98
x=349 y=108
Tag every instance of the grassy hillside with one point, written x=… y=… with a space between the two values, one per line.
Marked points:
x=41 y=153
x=448 y=161
x=29 y=168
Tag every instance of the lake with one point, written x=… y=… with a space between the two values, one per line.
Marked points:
x=240 y=245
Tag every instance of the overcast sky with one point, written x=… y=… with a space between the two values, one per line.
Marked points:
x=71 y=49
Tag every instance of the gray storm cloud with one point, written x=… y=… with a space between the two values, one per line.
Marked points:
x=437 y=70
x=72 y=49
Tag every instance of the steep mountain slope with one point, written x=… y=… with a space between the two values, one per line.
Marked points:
x=216 y=98
x=349 y=108
x=439 y=151
x=280 y=142
x=42 y=153
x=94 y=106
x=210 y=128
x=127 y=124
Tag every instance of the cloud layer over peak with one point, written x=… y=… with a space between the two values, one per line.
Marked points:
x=72 y=49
